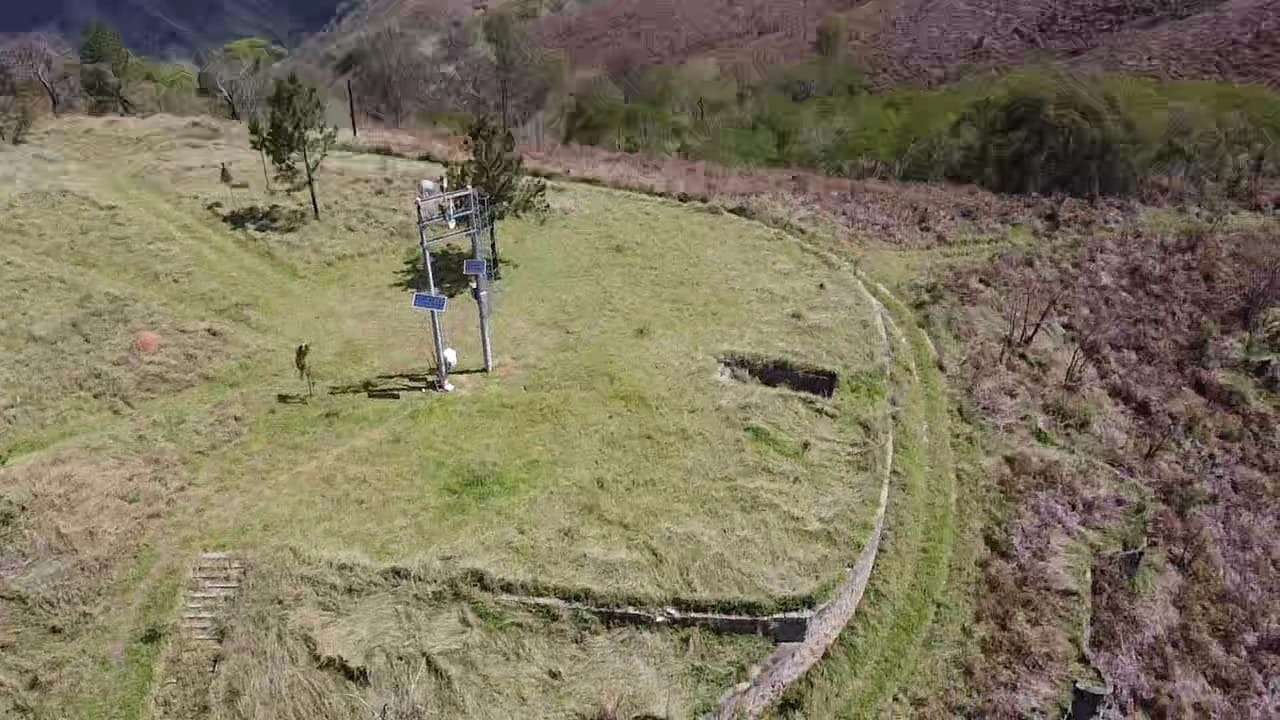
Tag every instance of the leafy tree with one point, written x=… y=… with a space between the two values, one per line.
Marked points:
x=105 y=67
x=238 y=75
x=170 y=76
x=625 y=66
x=105 y=88
x=295 y=136
x=596 y=114
x=254 y=49
x=1060 y=138
x=701 y=89
x=521 y=73
x=390 y=73
x=102 y=44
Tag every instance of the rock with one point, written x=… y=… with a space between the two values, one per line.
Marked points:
x=146 y=341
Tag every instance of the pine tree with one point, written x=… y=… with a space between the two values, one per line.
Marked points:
x=496 y=169
x=105 y=62
x=103 y=45
x=295 y=136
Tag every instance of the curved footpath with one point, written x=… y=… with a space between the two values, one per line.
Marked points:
x=792 y=660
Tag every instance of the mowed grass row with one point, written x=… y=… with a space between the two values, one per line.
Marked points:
x=881 y=650
x=606 y=454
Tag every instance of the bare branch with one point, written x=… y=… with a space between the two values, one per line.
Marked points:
x=1262 y=287
x=240 y=82
x=35 y=57
x=390 y=74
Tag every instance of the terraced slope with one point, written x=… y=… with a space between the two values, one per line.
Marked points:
x=611 y=457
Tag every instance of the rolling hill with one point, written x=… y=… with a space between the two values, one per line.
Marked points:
x=921 y=40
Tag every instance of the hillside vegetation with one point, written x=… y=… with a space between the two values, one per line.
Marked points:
x=854 y=360
x=151 y=410
x=927 y=41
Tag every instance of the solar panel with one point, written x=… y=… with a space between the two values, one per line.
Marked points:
x=475 y=267
x=430 y=303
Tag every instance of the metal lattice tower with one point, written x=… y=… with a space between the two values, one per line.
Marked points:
x=445 y=215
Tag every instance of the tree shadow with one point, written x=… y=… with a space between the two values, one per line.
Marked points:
x=273 y=218
x=446 y=265
x=391 y=383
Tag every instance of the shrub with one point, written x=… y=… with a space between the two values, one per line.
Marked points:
x=16 y=119
x=1061 y=138
x=455 y=121
x=595 y=113
x=832 y=34
x=1030 y=131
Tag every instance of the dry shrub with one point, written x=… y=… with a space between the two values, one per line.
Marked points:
x=1181 y=463
x=1261 y=290
x=17 y=115
x=72 y=526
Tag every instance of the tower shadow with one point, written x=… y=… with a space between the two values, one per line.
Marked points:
x=446 y=264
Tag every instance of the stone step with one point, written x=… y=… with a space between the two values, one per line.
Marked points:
x=213 y=585
x=222 y=594
x=222 y=585
x=233 y=564
x=220 y=572
x=209 y=570
x=198 y=581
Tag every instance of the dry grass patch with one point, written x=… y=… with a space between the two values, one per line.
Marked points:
x=341 y=640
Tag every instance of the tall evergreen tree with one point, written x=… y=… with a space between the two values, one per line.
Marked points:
x=104 y=65
x=102 y=44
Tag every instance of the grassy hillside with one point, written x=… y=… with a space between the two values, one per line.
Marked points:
x=608 y=455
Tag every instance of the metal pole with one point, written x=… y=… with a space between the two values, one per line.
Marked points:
x=482 y=283
x=493 y=246
x=351 y=104
x=436 y=335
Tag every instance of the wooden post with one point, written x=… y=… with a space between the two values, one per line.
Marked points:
x=351 y=104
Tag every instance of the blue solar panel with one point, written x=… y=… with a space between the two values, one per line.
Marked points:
x=432 y=303
x=475 y=267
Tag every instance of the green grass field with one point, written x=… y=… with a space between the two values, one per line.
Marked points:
x=607 y=455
